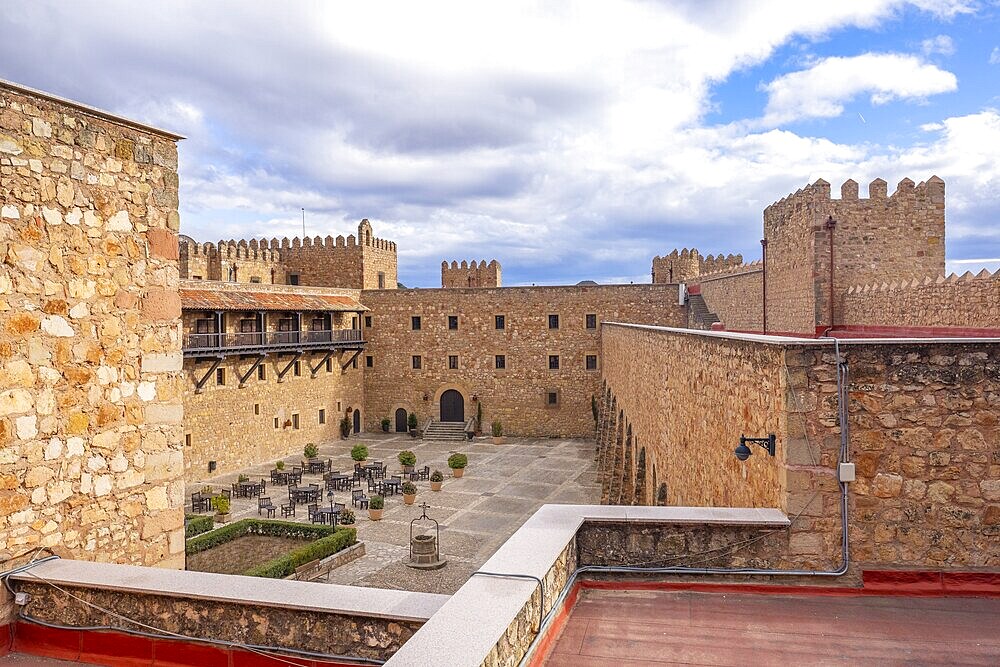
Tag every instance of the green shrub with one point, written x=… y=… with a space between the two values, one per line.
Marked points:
x=376 y=503
x=284 y=566
x=458 y=461
x=311 y=451
x=411 y=421
x=196 y=524
x=497 y=428
x=409 y=489
x=243 y=478
x=280 y=465
x=407 y=458
x=346 y=517
x=359 y=452
x=221 y=504
x=345 y=427
x=436 y=476
x=289 y=529
x=386 y=422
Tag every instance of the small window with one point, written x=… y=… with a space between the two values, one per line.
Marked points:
x=295 y=421
x=187 y=439
x=220 y=376
x=354 y=362
x=501 y=322
x=256 y=409
x=381 y=280
x=415 y=323
x=322 y=416
x=197 y=278
x=416 y=362
x=354 y=322
x=329 y=365
x=553 y=362
x=552 y=398
x=453 y=362
x=553 y=321
x=261 y=372
x=297 y=369
x=293 y=279
x=591 y=321
x=369 y=361
x=453 y=322
x=368 y=321
x=255 y=279
x=276 y=425
x=338 y=406
x=501 y=361
x=591 y=362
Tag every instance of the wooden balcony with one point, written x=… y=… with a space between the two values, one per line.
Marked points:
x=262 y=342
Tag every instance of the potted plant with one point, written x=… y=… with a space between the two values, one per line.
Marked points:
x=345 y=428
x=457 y=463
x=280 y=465
x=221 y=505
x=310 y=451
x=359 y=453
x=346 y=517
x=497 y=432
x=436 y=480
x=376 y=505
x=242 y=478
x=385 y=424
x=411 y=423
x=407 y=459
x=409 y=492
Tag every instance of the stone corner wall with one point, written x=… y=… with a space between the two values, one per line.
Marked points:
x=90 y=352
x=736 y=297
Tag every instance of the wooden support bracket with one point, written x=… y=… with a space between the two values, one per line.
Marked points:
x=344 y=366
x=284 y=371
x=253 y=368
x=325 y=358
x=199 y=386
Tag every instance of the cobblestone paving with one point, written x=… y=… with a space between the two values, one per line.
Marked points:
x=502 y=487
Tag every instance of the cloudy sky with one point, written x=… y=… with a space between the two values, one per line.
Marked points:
x=570 y=141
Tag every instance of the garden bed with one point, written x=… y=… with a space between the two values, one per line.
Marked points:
x=260 y=548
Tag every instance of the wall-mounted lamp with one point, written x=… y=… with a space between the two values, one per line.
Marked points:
x=425 y=397
x=475 y=397
x=743 y=452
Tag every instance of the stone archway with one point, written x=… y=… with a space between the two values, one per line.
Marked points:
x=452 y=406
x=401 y=416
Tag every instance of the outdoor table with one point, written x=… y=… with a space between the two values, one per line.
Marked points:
x=339 y=480
x=392 y=484
x=315 y=465
x=281 y=477
x=245 y=488
x=330 y=514
x=302 y=496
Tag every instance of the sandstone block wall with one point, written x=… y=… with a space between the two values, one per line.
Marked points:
x=956 y=301
x=471 y=274
x=516 y=394
x=90 y=351
x=246 y=262
x=736 y=297
x=922 y=423
x=687 y=265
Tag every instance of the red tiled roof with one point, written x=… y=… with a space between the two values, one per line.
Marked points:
x=223 y=299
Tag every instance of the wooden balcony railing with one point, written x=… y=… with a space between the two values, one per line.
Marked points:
x=271 y=340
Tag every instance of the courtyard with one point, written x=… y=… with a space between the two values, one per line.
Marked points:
x=502 y=486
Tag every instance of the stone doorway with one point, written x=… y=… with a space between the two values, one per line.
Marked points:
x=357 y=421
x=401 y=426
x=452 y=406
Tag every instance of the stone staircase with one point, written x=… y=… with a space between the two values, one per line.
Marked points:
x=700 y=316
x=439 y=430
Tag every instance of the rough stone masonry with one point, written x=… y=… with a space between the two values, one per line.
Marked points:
x=90 y=353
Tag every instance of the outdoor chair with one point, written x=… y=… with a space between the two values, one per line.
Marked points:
x=264 y=504
x=274 y=476
x=359 y=499
x=235 y=490
x=329 y=464
x=423 y=473
x=382 y=471
x=315 y=516
x=373 y=485
x=263 y=485
x=227 y=494
x=199 y=503
x=288 y=510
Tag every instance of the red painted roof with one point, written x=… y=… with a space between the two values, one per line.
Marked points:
x=231 y=299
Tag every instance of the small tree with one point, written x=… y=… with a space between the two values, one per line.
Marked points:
x=310 y=451
x=456 y=461
x=359 y=452
x=280 y=465
x=497 y=428
x=411 y=421
x=407 y=458
x=376 y=503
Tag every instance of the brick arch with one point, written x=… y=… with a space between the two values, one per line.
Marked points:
x=640 y=479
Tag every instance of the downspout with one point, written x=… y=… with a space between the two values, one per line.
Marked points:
x=763 y=254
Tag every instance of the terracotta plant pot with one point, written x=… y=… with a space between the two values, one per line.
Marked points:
x=436 y=486
x=409 y=499
x=375 y=515
x=499 y=441
x=458 y=472
x=413 y=432
x=223 y=518
x=407 y=469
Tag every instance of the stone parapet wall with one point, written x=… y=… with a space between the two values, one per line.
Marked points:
x=966 y=301
x=517 y=394
x=471 y=274
x=90 y=349
x=736 y=297
x=682 y=266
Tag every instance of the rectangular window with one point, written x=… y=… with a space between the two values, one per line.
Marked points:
x=261 y=371
x=369 y=361
x=553 y=321
x=552 y=398
x=297 y=369
x=416 y=362
x=453 y=322
x=501 y=362
x=293 y=279
x=354 y=322
x=453 y=362
x=338 y=406
x=415 y=323
x=256 y=408
x=187 y=439
x=276 y=425
x=197 y=277
x=591 y=362
x=354 y=362
x=553 y=362
x=322 y=416
x=501 y=322
x=329 y=365
x=255 y=279
x=220 y=376
x=368 y=321
x=591 y=321
x=381 y=280
x=295 y=421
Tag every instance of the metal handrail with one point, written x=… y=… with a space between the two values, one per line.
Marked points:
x=230 y=340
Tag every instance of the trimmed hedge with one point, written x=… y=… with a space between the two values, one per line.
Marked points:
x=289 y=529
x=284 y=566
x=196 y=524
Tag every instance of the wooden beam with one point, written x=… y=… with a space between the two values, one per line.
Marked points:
x=200 y=384
x=284 y=371
x=325 y=358
x=351 y=360
x=253 y=367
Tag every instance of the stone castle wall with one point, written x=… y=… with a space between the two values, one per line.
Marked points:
x=471 y=274
x=516 y=395
x=246 y=262
x=956 y=301
x=90 y=353
x=736 y=296
x=922 y=419
x=687 y=265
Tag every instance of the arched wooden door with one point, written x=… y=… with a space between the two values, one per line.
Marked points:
x=452 y=406
x=401 y=420
x=357 y=421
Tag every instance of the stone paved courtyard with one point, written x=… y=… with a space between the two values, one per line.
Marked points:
x=503 y=485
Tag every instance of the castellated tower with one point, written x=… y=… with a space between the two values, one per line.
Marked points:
x=359 y=262
x=471 y=274
x=687 y=265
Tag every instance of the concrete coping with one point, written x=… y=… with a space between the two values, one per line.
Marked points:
x=470 y=624
x=237 y=589
x=793 y=341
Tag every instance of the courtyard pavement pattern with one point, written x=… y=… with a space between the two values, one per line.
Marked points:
x=503 y=485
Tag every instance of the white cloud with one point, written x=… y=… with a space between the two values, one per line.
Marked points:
x=822 y=90
x=995 y=56
x=942 y=44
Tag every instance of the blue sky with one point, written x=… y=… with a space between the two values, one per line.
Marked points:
x=570 y=141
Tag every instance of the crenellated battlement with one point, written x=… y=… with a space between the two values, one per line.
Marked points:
x=471 y=274
x=687 y=265
x=818 y=193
